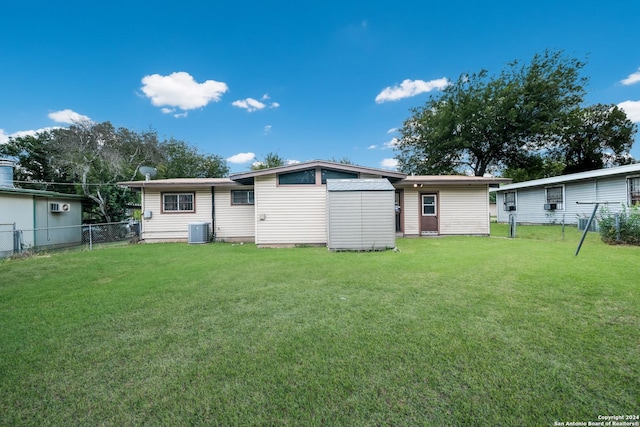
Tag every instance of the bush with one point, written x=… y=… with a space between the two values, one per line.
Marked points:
x=629 y=224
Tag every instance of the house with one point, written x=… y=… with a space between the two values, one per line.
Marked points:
x=288 y=205
x=561 y=199
x=46 y=219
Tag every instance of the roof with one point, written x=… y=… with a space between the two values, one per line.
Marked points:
x=444 y=180
x=369 y=184
x=179 y=183
x=249 y=176
x=580 y=176
x=40 y=193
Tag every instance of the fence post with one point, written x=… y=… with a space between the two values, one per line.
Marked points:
x=512 y=226
x=617 y=216
x=16 y=240
x=90 y=238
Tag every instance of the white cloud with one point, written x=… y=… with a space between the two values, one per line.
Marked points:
x=68 y=116
x=267 y=129
x=241 y=158
x=632 y=108
x=181 y=90
x=392 y=130
x=4 y=137
x=632 y=79
x=372 y=147
x=391 y=144
x=389 y=163
x=251 y=104
x=409 y=88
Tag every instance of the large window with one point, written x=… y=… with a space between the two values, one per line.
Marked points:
x=333 y=174
x=634 y=190
x=299 y=177
x=555 y=198
x=242 y=197
x=178 y=202
x=510 y=201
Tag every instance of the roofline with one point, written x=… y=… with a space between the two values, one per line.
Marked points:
x=180 y=182
x=449 y=180
x=41 y=193
x=579 y=176
x=318 y=163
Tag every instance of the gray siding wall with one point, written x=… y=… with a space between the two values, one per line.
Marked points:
x=530 y=201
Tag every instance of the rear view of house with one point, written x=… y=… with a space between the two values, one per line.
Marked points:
x=296 y=205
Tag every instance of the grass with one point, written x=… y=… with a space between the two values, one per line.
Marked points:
x=447 y=331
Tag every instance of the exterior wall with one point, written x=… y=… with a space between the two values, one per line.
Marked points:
x=233 y=222
x=361 y=220
x=56 y=229
x=173 y=226
x=289 y=214
x=19 y=210
x=530 y=201
x=462 y=210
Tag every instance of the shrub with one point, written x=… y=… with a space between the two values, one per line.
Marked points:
x=628 y=223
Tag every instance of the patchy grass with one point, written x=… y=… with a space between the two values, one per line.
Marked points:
x=448 y=331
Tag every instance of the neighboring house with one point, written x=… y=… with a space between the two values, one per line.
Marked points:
x=46 y=219
x=561 y=199
x=289 y=205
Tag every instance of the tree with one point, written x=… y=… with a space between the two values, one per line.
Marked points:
x=181 y=160
x=596 y=136
x=271 y=160
x=481 y=124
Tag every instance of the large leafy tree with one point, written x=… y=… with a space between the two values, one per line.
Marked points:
x=90 y=158
x=181 y=160
x=271 y=160
x=486 y=124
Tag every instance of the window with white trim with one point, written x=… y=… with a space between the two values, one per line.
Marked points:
x=555 y=198
x=634 y=190
x=242 y=197
x=510 y=201
x=178 y=202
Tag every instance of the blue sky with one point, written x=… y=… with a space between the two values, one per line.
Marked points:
x=306 y=80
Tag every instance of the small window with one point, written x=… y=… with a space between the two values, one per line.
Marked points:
x=178 y=202
x=555 y=198
x=510 y=201
x=305 y=177
x=242 y=197
x=634 y=191
x=428 y=205
x=333 y=174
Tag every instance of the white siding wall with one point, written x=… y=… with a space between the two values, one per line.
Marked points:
x=461 y=210
x=233 y=222
x=464 y=210
x=293 y=214
x=19 y=210
x=173 y=226
x=530 y=201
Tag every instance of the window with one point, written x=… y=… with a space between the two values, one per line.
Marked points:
x=554 y=198
x=510 y=201
x=299 y=177
x=178 y=202
x=634 y=191
x=428 y=205
x=242 y=197
x=333 y=174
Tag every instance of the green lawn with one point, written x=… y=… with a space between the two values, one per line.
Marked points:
x=446 y=331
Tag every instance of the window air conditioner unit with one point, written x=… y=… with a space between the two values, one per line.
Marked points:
x=550 y=206
x=511 y=208
x=59 y=207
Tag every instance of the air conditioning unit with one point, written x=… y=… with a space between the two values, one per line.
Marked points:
x=59 y=207
x=550 y=206
x=511 y=208
x=199 y=232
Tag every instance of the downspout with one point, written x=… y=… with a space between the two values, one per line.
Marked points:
x=213 y=213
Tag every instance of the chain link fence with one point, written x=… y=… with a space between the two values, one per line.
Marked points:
x=16 y=242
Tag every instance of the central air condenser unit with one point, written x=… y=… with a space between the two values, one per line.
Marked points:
x=199 y=232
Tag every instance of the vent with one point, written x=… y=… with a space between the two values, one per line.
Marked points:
x=199 y=232
x=59 y=207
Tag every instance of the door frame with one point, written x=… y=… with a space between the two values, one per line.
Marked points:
x=436 y=214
